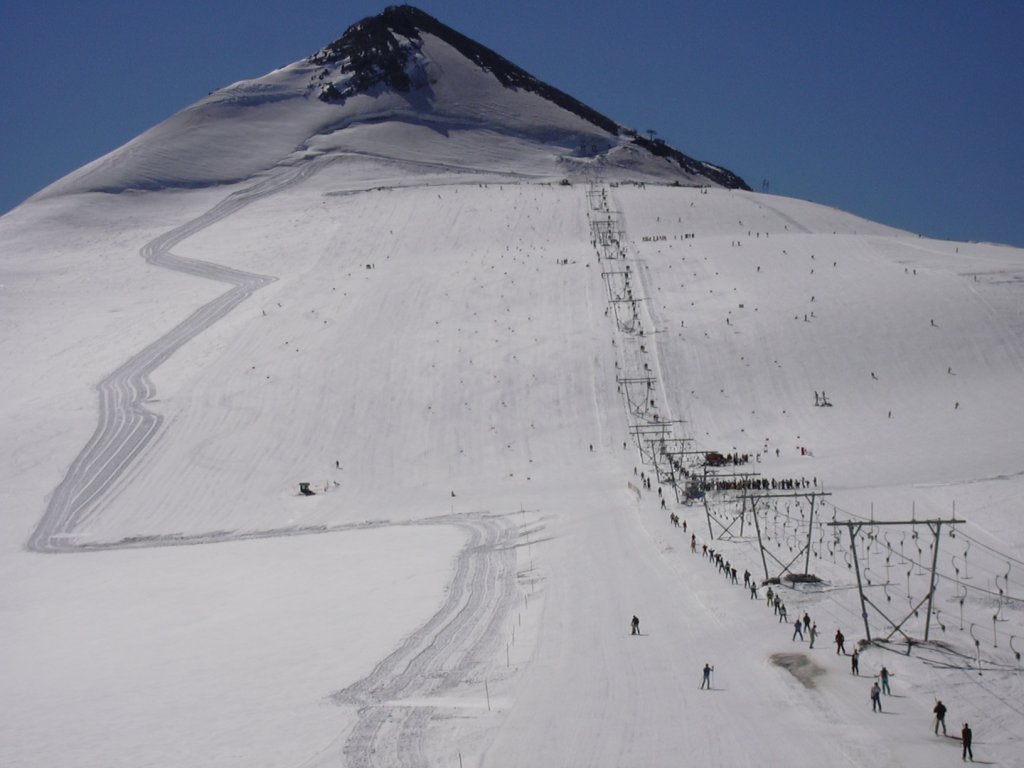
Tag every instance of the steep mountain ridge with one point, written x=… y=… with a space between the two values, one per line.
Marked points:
x=399 y=67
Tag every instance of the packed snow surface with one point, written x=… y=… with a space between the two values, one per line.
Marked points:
x=457 y=363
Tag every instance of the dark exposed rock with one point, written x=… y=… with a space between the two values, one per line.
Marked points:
x=384 y=50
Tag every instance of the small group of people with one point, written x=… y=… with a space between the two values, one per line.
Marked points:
x=966 y=735
x=805 y=625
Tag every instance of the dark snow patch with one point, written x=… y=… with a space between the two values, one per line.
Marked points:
x=800 y=666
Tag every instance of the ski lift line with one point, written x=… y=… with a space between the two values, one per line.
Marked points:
x=959 y=533
x=993 y=550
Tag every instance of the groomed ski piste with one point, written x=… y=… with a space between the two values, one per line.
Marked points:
x=464 y=585
x=471 y=370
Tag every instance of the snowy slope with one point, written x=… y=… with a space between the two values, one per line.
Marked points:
x=417 y=322
x=468 y=359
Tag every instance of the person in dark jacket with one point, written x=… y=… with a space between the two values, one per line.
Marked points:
x=708 y=669
x=635 y=623
x=940 y=717
x=884 y=675
x=966 y=737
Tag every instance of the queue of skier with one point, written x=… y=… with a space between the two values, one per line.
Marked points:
x=804 y=627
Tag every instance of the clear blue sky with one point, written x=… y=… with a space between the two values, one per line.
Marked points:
x=910 y=113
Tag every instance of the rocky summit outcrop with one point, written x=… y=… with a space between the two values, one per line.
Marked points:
x=386 y=52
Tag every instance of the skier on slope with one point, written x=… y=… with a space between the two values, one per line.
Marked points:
x=967 y=736
x=635 y=624
x=940 y=717
x=840 y=643
x=798 y=630
x=876 y=697
x=708 y=669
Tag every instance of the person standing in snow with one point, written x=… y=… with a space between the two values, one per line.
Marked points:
x=798 y=629
x=635 y=624
x=840 y=643
x=814 y=634
x=876 y=697
x=807 y=621
x=884 y=675
x=855 y=664
x=708 y=669
x=940 y=717
x=966 y=736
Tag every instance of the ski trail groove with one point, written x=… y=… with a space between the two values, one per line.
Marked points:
x=125 y=426
x=449 y=651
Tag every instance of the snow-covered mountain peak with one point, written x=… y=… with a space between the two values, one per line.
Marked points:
x=401 y=86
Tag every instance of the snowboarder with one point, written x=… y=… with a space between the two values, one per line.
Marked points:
x=940 y=717
x=966 y=736
x=798 y=629
x=884 y=675
x=855 y=663
x=840 y=643
x=635 y=624
x=708 y=669
x=876 y=697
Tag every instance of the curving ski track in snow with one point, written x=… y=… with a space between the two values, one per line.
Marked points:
x=451 y=650
x=126 y=427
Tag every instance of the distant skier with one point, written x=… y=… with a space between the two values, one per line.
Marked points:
x=966 y=736
x=635 y=624
x=708 y=669
x=940 y=717
x=807 y=621
x=855 y=664
x=814 y=634
x=876 y=697
x=884 y=675
x=798 y=629
x=840 y=642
